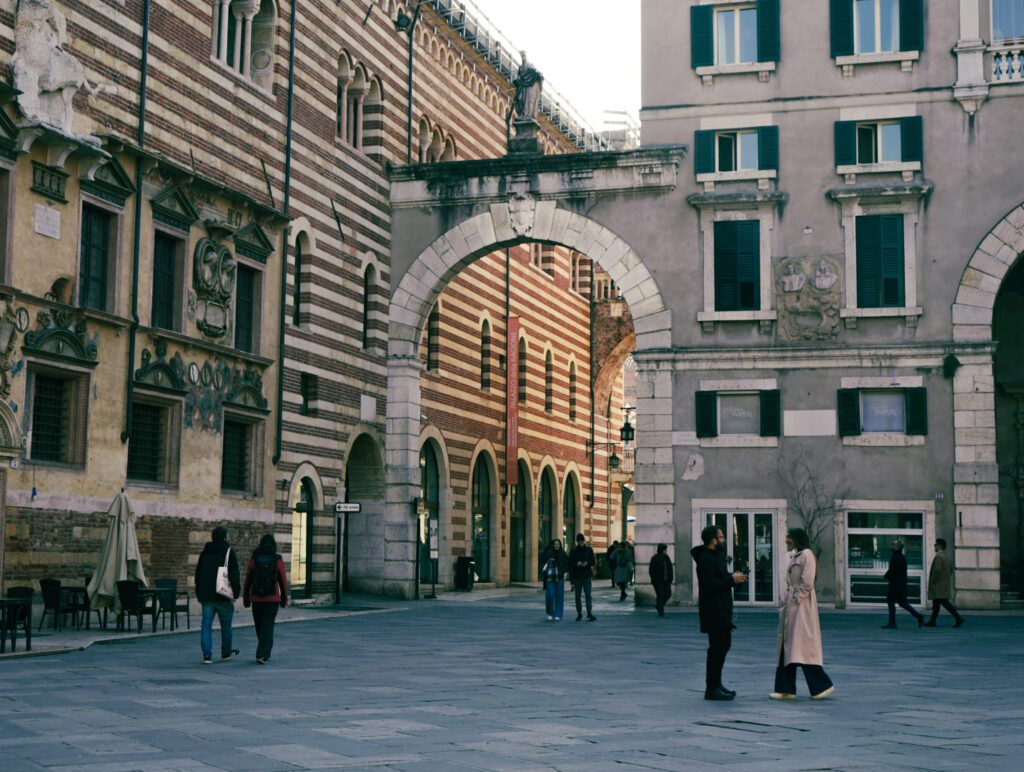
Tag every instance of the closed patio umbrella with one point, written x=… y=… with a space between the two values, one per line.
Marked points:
x=120 y=559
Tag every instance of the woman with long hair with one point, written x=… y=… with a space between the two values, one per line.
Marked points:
x=266 y=589
x=554 y=564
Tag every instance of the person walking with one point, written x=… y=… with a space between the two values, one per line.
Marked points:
x=581 y=572
x=266 y=590
x=660 y=570
x=609 y=559
x=799 y=638
x=554 y=565
x=215 y=554
x=714 y=586
x=940 y=583
x=897 y=592
x=623 y=569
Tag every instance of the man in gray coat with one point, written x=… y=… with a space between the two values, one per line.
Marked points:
x=940 y=583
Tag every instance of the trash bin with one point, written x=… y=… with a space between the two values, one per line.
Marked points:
x=465 y=568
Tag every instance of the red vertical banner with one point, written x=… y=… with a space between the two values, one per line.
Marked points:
x=512 y=401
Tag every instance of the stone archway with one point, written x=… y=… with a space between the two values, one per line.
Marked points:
x=976 y=473
x=523 y=218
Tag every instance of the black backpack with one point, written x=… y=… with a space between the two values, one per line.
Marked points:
x=264 y=575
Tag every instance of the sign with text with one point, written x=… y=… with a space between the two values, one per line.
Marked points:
x=512 y=401
x=345 y=506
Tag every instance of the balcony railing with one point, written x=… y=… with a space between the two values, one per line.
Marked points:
x=1007 y=63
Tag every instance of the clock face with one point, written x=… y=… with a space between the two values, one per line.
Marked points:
x=21 y=319
x=193 y=373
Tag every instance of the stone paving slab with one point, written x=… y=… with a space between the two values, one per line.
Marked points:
x=484 y=682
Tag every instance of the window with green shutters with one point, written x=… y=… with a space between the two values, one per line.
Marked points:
x=246 y=284
x=737 y=265
x=867 y=27
x=863 y=143
x=892 y=411
x=880 y=261
x=95 y=258
x=755 y=413
x=736 y=150
x=742 y=33
x=166 y=291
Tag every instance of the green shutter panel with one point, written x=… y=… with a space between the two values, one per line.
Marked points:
x=869 y=261
x=848 y=412
x=726 y=269
x=841 y=27
x=748 y=264
x=702 y=36
x=768 y=45
x=704 y=152
x=707 y=413
x=771 y=413
x=911 y=25
x=846 y=143
x=891 y=256
x=917 y=411
x=768 y=147
x=912 y=139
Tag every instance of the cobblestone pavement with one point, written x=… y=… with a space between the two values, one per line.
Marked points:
x=485 y=682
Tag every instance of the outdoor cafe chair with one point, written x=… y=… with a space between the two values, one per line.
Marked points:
x=87 y=610
x=132 y=604
x=55 y=603
x=167 y=596
x=22 y=617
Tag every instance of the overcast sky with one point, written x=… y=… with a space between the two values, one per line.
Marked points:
x=589 y=50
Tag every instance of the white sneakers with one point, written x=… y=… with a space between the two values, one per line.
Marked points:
x=824 y=694
x=781 y=696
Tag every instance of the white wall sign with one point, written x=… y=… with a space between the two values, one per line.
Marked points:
x=809 y=423
x=47 y=222
x=367 y=408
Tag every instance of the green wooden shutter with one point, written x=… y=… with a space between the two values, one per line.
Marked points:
x=911 y=25
x=704 y=152
x=726 y=291
x=917 y=411
x=869 y=261
x=748 y=265
x=768 y=147
x=846 y=143
x=707 y=413
x=702 y=36
x=891 y=256
x=841 y=27
x=848 y=412
x=771 y=413
x=912 y=138
x=768 y=38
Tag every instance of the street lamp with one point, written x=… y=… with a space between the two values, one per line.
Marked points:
x=626 y=433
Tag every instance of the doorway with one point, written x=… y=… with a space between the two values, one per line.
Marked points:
x=517 y=526
x=750 y=543
x=429 y=517
x=302 y=540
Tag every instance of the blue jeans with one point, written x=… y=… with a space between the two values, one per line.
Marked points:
x=554 y=598
x=225 y=611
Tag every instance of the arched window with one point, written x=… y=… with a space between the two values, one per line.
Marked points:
x=522 y=370
x=545 y=509
x=574 y=272
x=485 y=355
x=243 y=37
x=341 y=107
x=355 y=95
x=301 y=574
x=549 y=383
x=448 y=153
x=434 y=339
x=569 y=512
x=372 y=132
x=297 y=286
x=481 y=511
x=536 y=255
x=572 y=391
x=424 y=143
x=369 y=280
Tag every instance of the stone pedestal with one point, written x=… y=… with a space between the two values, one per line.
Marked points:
x=525 y=141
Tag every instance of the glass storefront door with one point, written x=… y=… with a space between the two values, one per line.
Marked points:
x=750 y=542
x=869 y=538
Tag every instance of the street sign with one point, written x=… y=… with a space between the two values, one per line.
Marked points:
x=345 y=506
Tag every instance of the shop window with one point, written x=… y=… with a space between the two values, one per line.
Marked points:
x=869 y=537
x=59 y=416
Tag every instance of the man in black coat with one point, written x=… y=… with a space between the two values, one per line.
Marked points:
x=897 y=592
x=660 y=570
x=714 y=586
x=581 y=572
x=213 y=556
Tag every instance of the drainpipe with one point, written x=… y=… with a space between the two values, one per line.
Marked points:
x=593 y=448
x=412 y=51
x=137 y=236
x=286 y=205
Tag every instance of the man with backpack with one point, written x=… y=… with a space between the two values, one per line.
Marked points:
x=266 y=589
x=217 y=596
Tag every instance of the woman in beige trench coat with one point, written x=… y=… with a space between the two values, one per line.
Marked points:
x=799 y=637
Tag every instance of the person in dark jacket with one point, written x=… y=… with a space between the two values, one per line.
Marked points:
x=623 y=573
x=264 y=607
x=609 y=559
x=660 y=570
x=714 y=585
x=581 y=572
x=554 y=565
x=897 y=593
x=213 y=557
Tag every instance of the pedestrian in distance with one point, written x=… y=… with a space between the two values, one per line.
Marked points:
x=714 y=587
x=609 y=559
x=266 y=590
x=554 y=565
x=940 y=584
x=581 y=573
x=660 y=570
x=897 y=592
x=799 y=638
x=216 y=554
x=623 y=569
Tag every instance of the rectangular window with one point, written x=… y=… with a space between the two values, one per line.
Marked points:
x=94 y=261
x=5 y=207
x=737 y=265
x=879 y=142
x=1007 y=21
x=737 y=150
x=153 y=446
x=308 y=392
x=166 y=281
x=751 y=414
x=869 y=537
x=736 y=35
x=739 y=414
x=876 y=26
x=246 y=286
x=59 y=403
x=883 y=411
x=880 y=261
x=236 y=460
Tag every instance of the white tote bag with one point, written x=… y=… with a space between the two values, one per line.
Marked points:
x=224 y=588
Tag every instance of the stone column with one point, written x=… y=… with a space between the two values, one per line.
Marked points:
x=222 y=46
x=343 y=106
x=402 y=471
x=236 y=60
x=971 y=88
x=247 y=44
x=976 y=482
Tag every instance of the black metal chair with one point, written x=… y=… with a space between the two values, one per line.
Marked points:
x=87 y=610
x=55 y=603
x=132 y=604
x=167 y=597
x=23 y=616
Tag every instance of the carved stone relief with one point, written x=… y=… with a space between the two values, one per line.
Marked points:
x=161 y=373
x=64 y=334
x=213 y=279
x=521 y=210
x=215 y=384
x=10 y=325
x=809 y=298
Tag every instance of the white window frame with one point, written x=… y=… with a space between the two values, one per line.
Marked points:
x=877 y=32
x=737 y=154
x=739 y=387
x=736 y=33
x=736 y=125
x=1015 y=42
